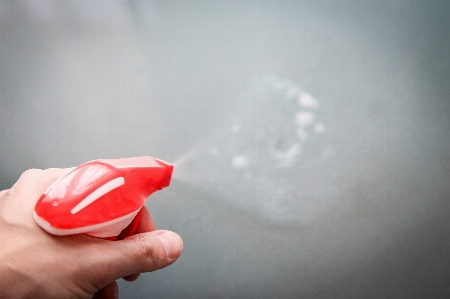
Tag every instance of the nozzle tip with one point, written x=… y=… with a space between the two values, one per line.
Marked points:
x=169 y=171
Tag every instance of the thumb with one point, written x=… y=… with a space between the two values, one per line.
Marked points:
x=139 y=253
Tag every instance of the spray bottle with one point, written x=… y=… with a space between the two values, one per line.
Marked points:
x=101 y=198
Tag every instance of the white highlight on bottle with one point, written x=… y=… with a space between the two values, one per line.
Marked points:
x=111 y=185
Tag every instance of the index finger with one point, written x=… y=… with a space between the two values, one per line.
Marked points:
x=146 y=224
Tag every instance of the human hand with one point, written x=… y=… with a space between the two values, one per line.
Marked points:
x=35 y=264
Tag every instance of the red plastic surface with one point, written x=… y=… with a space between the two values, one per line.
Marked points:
x=100 y=191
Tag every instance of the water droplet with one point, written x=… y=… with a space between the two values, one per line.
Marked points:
x=307 y=101
x=240 y=161
x=304 y=119
x=55 y=202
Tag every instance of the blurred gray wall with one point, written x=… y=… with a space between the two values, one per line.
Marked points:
x=311 y=137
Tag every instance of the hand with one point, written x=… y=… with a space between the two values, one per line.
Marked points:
x=35 y=264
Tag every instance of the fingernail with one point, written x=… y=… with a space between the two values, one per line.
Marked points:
x=172 y=243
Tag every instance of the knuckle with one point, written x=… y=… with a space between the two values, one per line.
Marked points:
x=33 y=172
x=40 y=176
x=149 y=254
x=28 y=175
x=4 y=194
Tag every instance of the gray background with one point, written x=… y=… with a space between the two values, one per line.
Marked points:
x=311 y=138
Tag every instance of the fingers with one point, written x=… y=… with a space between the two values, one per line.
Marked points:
x=139 y=253
x=132 y=277
x=109 y=292
x=146 y=224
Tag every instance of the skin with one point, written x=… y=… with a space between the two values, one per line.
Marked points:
x=35 y=264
